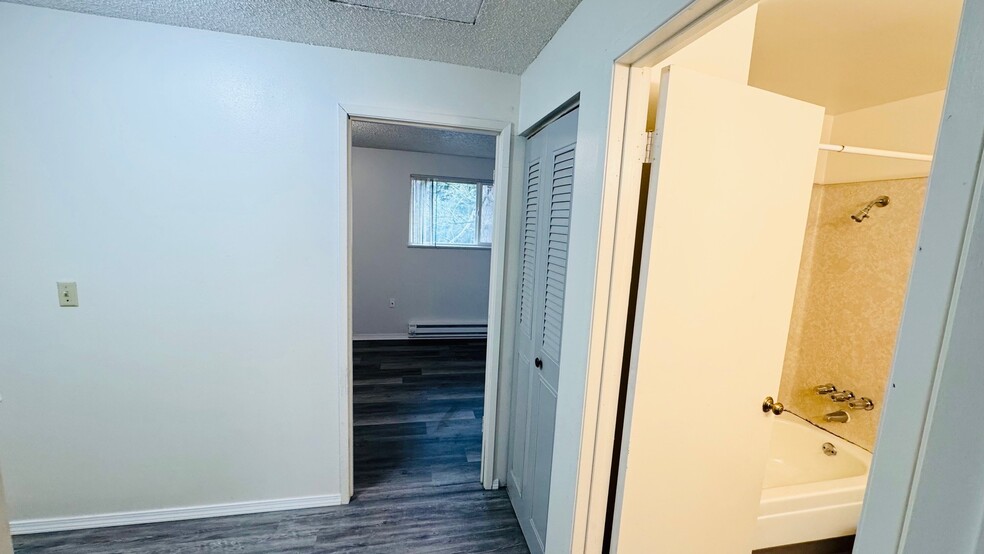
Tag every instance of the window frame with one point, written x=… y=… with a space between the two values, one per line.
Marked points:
x=479 y=195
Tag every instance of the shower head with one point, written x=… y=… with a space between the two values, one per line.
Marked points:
x=861 y=215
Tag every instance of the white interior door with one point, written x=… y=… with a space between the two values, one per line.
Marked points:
x=552 y=266
x=731 y=181
x=549 y=184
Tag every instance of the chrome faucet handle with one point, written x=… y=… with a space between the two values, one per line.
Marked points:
x=842 y=396
x=825 y=389
x=862 y=404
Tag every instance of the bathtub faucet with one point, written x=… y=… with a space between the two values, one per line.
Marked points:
x=840 y=416
x=842 y=396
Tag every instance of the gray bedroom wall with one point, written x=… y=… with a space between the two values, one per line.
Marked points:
x=427 y=283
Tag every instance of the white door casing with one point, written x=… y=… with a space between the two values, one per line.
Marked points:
x=731 y=182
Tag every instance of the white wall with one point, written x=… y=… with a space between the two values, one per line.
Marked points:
x=188 y=181
x=435 y=284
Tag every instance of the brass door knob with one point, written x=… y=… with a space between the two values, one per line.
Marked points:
x=770 y=405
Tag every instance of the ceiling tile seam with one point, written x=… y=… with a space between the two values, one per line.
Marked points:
x=413 y=15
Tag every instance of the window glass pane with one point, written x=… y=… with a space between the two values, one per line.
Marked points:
x=444 y=212
x=454 y=212
x=488 y=209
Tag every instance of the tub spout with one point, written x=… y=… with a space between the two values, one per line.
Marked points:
x=840 y=416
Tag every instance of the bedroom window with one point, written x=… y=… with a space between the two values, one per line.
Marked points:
x=451 y=212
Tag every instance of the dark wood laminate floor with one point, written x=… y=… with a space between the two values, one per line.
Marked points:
x=417 y=413
x=839 y=545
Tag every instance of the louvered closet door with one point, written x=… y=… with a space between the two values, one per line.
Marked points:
x=545 y=244
x=523 y=361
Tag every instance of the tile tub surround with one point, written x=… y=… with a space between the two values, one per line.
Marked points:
x=418 y=432
x=849 y=297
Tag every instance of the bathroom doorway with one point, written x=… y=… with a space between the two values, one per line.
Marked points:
x=785 y=183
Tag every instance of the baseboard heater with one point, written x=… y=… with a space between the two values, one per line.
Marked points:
x=439 y=330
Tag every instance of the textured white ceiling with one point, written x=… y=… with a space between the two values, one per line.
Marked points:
x=505 y=36
x=370 y=134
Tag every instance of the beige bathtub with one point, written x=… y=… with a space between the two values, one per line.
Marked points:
x=808 y=495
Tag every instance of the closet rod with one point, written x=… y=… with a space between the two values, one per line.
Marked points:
x=876 y=152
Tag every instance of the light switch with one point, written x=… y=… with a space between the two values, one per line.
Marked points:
x=68 y=295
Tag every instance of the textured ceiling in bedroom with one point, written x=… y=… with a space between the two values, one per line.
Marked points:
x=370 y=134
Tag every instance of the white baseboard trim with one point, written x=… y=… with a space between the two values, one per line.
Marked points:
x=47 y=525
x=381 y=336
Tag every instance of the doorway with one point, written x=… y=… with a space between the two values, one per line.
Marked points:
x=465 y=353
x=701 y=86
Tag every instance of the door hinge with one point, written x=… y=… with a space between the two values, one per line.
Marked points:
x=648 y=155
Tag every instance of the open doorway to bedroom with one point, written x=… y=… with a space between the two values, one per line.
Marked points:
x=426 y=227
x=422 y=221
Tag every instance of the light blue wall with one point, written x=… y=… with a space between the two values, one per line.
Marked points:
x=189 y=182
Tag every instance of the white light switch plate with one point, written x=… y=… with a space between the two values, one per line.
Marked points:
x=68 y=295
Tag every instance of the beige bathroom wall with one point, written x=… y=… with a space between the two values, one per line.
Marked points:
x=908 y=125
x=849 y=297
